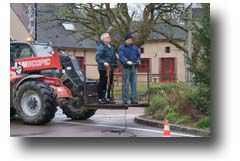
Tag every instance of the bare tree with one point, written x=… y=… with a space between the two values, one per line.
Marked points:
x=94 y=19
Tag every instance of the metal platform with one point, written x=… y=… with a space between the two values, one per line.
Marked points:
x=138 y=105
x=106 y=106
x=116 y=106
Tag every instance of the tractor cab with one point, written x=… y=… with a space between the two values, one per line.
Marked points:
x=21 y=50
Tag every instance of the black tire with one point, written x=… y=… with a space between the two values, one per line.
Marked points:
x=46 y=102
x=77 y=114
x=12 y=111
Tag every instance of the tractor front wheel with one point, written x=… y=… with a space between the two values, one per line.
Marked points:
x=35 y=102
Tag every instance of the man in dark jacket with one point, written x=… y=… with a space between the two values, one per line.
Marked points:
x=106 y=59
x=130 y=58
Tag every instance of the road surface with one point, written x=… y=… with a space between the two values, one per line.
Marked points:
x=105 y=123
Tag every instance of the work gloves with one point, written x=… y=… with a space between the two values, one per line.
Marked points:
x=106 y=64
x=129 y=62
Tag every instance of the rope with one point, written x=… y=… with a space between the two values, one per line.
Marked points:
x=121 y=130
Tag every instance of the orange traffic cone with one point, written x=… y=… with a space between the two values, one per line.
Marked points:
x=166 y=130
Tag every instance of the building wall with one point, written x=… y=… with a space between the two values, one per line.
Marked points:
x=17 y=29
x=154 y=50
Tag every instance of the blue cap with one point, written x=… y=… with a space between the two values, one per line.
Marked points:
x=128 y=36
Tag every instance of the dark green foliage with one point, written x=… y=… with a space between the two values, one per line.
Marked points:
x=172 y=117
x=201 y=59
x=203 y=122
x=200 y=98
x=178 y=102
x=158 y=108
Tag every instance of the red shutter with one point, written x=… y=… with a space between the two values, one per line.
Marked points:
x=81 y=62
x=168 y=70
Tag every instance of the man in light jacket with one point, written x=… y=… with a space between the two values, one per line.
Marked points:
x=106 y=59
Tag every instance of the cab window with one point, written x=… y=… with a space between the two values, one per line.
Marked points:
x=19 y=51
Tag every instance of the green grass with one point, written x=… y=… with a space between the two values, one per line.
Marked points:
x=140 y=88
x=203 y=122
x=143 y=87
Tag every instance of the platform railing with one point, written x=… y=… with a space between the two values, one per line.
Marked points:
x=118 y=104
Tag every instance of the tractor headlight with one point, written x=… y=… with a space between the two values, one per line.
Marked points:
x=19 y=70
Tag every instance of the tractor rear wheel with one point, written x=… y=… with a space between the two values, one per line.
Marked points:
x=35 y=102
x=77 y=113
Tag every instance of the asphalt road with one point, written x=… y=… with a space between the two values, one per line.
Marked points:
x=105 y=123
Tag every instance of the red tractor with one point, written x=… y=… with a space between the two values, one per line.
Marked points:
x=41 y=80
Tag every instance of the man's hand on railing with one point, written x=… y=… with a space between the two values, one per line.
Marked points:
x=106 y=64
x=129 y=62
x=138 y=62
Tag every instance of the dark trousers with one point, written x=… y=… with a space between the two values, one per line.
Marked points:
x=102 y=86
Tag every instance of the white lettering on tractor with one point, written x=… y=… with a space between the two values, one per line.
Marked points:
x=34 y=63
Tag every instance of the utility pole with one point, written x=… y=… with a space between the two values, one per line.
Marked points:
x=35 y=21
x=189 y=42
